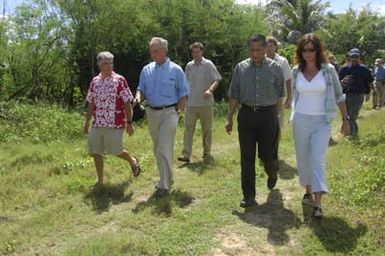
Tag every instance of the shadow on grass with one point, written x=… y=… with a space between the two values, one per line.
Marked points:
x=335 y=234
x=101 y=197
x=161 y=205
x=286 y=171
x=273 y=216
x=199 y=167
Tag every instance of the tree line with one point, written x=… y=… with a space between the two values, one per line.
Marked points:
x=48 y=47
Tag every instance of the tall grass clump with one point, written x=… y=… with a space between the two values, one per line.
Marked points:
x=37 y=123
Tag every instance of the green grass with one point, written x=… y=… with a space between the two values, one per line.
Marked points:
x=48 y=205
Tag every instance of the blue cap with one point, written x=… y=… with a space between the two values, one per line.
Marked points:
x=354 y=52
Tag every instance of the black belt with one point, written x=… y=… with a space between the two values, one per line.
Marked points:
x=258 y=108
x=163 y=107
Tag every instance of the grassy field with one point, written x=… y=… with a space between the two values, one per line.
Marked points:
x=48 y=205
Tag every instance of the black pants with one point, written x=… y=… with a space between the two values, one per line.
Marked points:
x=257 y=127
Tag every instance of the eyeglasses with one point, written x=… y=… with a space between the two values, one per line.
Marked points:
x=308 y=50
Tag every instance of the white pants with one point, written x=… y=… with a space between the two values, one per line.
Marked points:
x=311 y=137
x=162 y=125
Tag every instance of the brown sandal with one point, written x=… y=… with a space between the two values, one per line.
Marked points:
x=136 y=169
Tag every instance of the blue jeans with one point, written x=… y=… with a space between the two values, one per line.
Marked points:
x=311 y=137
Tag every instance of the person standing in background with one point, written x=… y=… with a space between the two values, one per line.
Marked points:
x=379 y=84
x=271 y=52
x=356 y=81
x=204 y=79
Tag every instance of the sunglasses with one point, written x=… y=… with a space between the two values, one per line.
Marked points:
x=308 y=50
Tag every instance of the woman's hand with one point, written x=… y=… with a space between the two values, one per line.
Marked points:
x=345 y=128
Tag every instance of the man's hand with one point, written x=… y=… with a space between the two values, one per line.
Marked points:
x=86 y=127
x=229 y=127
x=136 y=101
x=207 y=94
x=288 y=102
x=130 y=129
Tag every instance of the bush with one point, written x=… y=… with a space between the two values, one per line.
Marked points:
x=38 y=123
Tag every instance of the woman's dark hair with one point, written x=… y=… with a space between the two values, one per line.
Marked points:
x=318 y=47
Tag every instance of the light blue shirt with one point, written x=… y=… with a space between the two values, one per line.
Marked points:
x=379 y=73
x=164 y=84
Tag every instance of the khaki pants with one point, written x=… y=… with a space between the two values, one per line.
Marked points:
x=205 y=115
x=379 y=94
x=162 y=125
x=102 y=140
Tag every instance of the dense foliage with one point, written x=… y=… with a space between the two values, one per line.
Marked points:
x=48 y=47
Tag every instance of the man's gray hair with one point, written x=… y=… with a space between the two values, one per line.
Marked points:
x=104 y=56
x=163 y=42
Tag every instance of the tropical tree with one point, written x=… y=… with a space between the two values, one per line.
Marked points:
x=291 y=19
x=35 y=58
x=363 y=29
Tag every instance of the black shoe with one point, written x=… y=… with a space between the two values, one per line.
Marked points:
x=307 y=199
x=161 y=192
x=317 y=213
x=247 y=203
x=184 y=159
x=272 y=180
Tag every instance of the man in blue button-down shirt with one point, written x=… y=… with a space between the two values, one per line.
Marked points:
x=165 y=86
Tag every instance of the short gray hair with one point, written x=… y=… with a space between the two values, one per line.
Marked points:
x=163 y=42
x=104 y=56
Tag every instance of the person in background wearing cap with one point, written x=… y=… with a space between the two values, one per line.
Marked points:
x=379 y=84
x=356 y=81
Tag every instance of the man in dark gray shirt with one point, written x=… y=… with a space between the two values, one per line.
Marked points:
x=257 y=85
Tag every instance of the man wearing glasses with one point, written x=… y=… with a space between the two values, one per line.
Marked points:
x=356 y=81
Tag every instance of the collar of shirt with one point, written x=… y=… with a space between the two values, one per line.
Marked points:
x=252 y=63
x=203 y=60
x=113 y=74
x=163 y=65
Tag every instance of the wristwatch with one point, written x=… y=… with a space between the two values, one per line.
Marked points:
x=346 y=118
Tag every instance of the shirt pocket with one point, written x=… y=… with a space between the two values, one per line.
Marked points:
x=149 y=86
x=168 y=87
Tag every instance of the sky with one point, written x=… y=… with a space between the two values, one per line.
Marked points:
x=340 y=6
x=336 y=6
